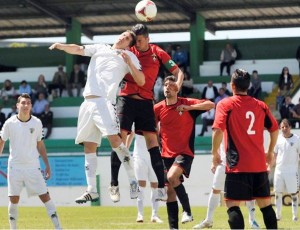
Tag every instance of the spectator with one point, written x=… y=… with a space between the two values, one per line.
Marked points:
x=221 y=96
x=210 y=91
x=275 y=112
x=47 y=120
x=187 y=87
x=255 y=88
x=180 y=57
x=298 y=57
x=8 y=91
x=228 y=56
x=169 y=50
x=296 y=114
x=76 y=81
x=40 y=87
x=285 y=82
x=286 y=108
x=25 y=88
x=207 y=120
x=13 y=111
x=59 y=82
x=2 y=118
x=224 y=86
x=39 y=105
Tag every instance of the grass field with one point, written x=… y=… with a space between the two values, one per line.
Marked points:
x=123 y=218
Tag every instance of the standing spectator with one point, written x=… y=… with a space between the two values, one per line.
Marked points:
x=255 y=89
x=207 y=119
x=224 y=86
x=181 y=58
x=210 y=91
x=13 y=111
x=59 y=81
x=25 y=88
x=287 y=108
x=39 y=105
x=40 y=87
x=240 y=121
x=25 y=135
x=2 y=117
x=8 y=91
x=76 y=81
x=285 y=82
x=298 y=57
x=228 y=56
x=286 y=176
x=47 y=120
x=97 y=114
x=187 y=84
x=135 y=104
x=172 y=114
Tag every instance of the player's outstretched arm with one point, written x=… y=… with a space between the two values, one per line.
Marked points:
x=42 y=151
x=68 y=48
x=206 y=105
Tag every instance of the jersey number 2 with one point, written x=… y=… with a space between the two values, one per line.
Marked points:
x=250 y=115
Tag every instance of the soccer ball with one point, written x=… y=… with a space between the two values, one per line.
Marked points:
x=145 y=10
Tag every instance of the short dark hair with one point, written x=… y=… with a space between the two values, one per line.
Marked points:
x=286 y=121
x=241 y=79
x=23 y=95
x=140 y=29
x=170 y=78
x=133 y=37
x=254 y=71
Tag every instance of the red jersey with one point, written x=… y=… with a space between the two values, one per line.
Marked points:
x=243 y=119
x=177 y=130
x=150 y=61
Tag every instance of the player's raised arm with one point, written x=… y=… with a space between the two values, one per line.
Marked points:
x=179 y=77
x=68 y=48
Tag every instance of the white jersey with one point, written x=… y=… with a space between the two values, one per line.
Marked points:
x=287 y=151
x=23 y=138
x=106 y=70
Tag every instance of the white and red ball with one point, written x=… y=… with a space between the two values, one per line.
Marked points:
x=145 y=10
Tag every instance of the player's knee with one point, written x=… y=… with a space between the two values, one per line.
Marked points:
x=235 y=218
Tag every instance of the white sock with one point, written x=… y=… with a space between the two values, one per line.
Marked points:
x=140 y=201
x=12 y=215
x=124 y=156
x=251 y=208
x=90 y=171
x=51 y=210
x=295 y=205
x=278 y=204
x=213 y=202
x=154 y=202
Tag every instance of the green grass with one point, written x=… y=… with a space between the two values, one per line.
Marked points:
x=123 y=218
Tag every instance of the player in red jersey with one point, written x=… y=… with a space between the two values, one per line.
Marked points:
x=176 y=117
x=135 y=105
x=241 y=120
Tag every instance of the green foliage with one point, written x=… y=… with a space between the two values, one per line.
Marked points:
x=124 y=218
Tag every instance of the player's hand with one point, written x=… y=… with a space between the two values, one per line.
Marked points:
x=216 y=160
x=182 y=108
x=54 y=46
x=213 y=168
x=47 y=173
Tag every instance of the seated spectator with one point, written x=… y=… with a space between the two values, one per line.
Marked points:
x=255 y=89
x=40 y=87
x=2 y=118
x=8 y=91
x=76 y=81
x=180 y=57
x=158 y=88
x=221 y=96
x=39 y=105
x=169 y=50
x=47 y=120
x=13 y=111
x=285 y=82
x=286 y=109
x=228 y=56
x=25 y=88
x=59 y=82
x=275 y=112
x=207 y=119
x=187 y=87
x=224 y=86
x=210 y=91
x=296 y=114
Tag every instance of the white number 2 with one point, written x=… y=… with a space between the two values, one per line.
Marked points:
x=250 y=115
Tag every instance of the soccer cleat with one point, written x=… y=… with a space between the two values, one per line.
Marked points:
x=156 y=219
x=186 y=218
x=161 y=194
x=134 y=189
x=204 y=224
x=114 y=193
x=254 y=225
x=87 y=196
x=140 y=218
x=295 y=218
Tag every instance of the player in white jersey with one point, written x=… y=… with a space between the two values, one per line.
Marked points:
x=214 y=196
x=97 y=114
x=144 y=171
x=25 y=135
x=286 y=153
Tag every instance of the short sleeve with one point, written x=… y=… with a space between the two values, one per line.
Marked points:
x=4 y=133
x=40 y=133
x=90 y=50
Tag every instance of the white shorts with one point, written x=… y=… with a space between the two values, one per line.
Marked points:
x=219 y=178
x=97 y=118
x=32 y=179
x=143 y=170
x=286 y=182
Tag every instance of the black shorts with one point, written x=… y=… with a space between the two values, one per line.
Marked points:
x=183 y=161
x=246 y=186
x=139 y=112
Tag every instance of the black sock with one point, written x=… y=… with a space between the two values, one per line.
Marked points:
x=236 y=219
x=183 y=198
x=157 y=165
x=172 y=209
x=269 y=217
x=115 y=165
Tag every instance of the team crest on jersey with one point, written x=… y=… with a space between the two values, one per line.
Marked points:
x=292 y=143
x=31 y=130
x=154 y=57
